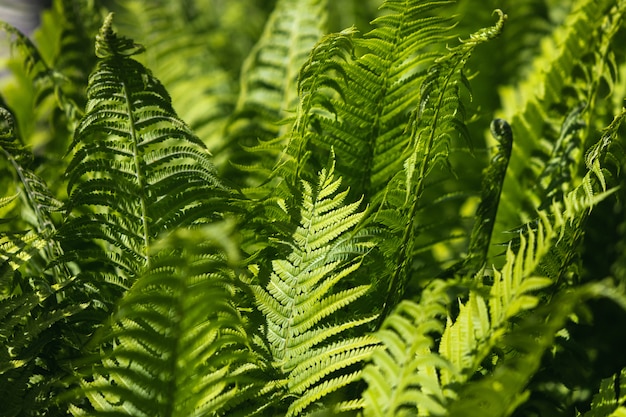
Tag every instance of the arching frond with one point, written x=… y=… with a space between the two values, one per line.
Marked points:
x=368 y=127
x=520 y=285
x=301 y=301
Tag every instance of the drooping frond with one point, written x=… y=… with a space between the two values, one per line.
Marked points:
x=539 y=261
x=402 y=377
x=137 y=169
x=179 y=342
x=302 y=303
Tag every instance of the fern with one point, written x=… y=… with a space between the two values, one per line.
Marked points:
x=609 y=401
x=171 y=354
x=130 y=156
x=268 y=92
x=350 y=245
x=402 y=377
x=300 y=302
x=439 y=114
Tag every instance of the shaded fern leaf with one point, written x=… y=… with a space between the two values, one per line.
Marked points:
x=367 y=128
x=402 y=378
x=137 y=170
x=301 y=302
x=179 y=341
x=610 y=400
x=268 y=85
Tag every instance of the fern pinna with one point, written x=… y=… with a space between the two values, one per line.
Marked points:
x=352 y=247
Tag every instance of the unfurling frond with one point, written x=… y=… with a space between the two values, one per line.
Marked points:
x=302 y=302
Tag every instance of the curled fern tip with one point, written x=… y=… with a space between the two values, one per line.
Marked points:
x=109 y=44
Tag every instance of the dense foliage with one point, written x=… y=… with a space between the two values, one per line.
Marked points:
x=279 y=209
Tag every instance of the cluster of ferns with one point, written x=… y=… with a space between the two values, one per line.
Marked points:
x=311 y=208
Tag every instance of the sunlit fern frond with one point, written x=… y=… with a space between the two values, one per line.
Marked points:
x=538 y=262
x=402 y=377
x=36 y=212
x=610 y=400
x=269 y=83
x=301 y=302
x=137 y=170
x=503 y=390
x=179 y=341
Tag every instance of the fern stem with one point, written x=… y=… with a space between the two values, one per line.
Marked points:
x=138 y=161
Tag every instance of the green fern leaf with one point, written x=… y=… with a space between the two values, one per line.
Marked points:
x=440 y=113
x=174 y=353
x=611 y=397
x=301 y=303
x=528 y=107
x=402 y=378
x=268 y=87
x=136 y=166
x=503 y=390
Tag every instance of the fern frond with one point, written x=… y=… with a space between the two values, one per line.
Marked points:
x=503 y=390
x=46 y=79
x=301 y=301
x=135 y=165
x=402 y=378
x=174 y=352
x=610 y=400
x=528 y=106
x=440 y=113
x=367 y=128
x=269 y=77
